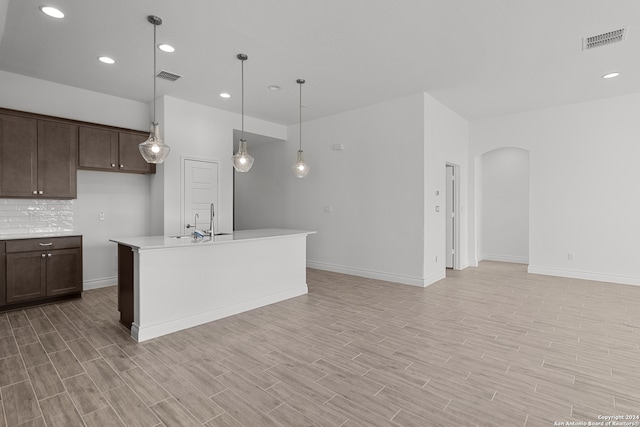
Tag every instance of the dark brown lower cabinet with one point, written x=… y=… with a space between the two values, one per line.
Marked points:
x=41 y=270
x=125 y=285
x=64 y=272
x=26 y=276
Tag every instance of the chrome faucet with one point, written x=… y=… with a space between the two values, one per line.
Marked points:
x=195 y=222
x=211 y=216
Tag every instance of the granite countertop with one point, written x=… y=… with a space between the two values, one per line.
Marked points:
x=165 y=242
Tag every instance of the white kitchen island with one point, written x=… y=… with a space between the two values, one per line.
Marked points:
x=166 y=284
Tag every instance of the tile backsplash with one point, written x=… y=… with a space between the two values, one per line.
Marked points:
x=24 y=216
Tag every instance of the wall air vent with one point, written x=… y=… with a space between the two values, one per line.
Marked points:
x=166 y=75
x=604 y=39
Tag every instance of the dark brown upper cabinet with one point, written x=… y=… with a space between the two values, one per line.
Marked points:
x=111 y=150
x=37 y=158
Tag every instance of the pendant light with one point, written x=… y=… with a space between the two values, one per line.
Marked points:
x=153 y=149
x=242 y=161
x=300 y=168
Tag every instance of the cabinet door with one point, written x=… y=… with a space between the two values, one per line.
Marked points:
x=97 y=148
x=57 y=153
x=18 y=156
x=64 y=271
x=26 y=276
x=130 y=158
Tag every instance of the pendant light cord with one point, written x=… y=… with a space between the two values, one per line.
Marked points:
x=154 y=72
x=242 y=95
x=300 y=117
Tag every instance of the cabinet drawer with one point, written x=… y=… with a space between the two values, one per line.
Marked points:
x=43 y=244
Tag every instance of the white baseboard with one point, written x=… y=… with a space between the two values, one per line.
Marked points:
x=506 y=258
x=586 y=275
x=99 y=283
x=154 y=331
x=434 y=278
x=370 y=274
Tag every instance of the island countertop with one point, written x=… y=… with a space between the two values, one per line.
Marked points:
x=217 y=277
x=167 y=242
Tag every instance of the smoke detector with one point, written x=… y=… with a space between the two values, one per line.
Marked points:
x=604 y=39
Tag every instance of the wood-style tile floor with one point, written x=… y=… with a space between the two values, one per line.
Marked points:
x=488 y=346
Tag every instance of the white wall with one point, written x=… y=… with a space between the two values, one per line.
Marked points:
x=584 y=179
x=260 y=196
x=375 y=188
x=197 y=131
x=505 y=205
x=446 y=139
x=124 y=199
x=115 y=194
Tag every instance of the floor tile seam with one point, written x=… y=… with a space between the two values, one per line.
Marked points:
x=112 y=365
x=70 y=399
x=55 y=368
x=32 y=419
x=223 y=413
x=136 y=394
x=4 y=411
x=150 y=407
x=89 y=375
x=108 y=403
x=36 y=400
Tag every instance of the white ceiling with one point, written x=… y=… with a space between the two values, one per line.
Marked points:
x=481 y=58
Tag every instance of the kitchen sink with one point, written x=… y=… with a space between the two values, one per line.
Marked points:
x=190 y=236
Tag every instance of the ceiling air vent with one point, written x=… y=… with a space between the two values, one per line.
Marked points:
x=604 y=39
x=166 y=75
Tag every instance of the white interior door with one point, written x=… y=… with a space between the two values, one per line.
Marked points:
x=451 y=216
x=200 y=191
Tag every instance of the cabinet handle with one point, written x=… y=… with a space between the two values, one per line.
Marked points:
x=35 y=192
x=40 y=192
x=121 y=166
x=46 y=244
x=49 y=255
x=113 y=165
x=42 y=255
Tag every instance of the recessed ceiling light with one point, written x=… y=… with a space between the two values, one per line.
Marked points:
x=106 y=60
x=52 y=12
x=610 y=75
x=274 y=87
x=225 y=95
x=166 y=48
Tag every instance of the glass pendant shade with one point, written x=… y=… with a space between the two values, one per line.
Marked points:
x=300 y=168
x=153 y=149
x=242 y=161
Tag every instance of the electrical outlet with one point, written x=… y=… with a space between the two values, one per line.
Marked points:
x=570 y=256
x=327 y=209
x=436 y=259
x=101 y=217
